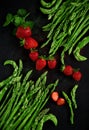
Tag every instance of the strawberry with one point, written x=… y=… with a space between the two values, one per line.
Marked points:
x=30 y=43
x=60 y=101
x=68 y=70
x=40 y=64
x=52 y=63
x=54 y=96
x=23 y=32
x=77 y=75
x=33 y=55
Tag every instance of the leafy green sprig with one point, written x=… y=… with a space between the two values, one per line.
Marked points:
x=19 y=19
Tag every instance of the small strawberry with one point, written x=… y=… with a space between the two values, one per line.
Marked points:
x=40 y=64
x=68 y=70
x=60 y=101
x=23 y=32
x=54 y=96
x=30 y=43
x=77 y=75
x=33 y=55
x=52 y=63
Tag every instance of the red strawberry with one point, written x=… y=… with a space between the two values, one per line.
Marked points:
x=52 y=63
x=30 y=43
x=77 y=75
x=68 y=70
x=23 y=32
x=54 y=96
x=33 y=55
x=61 y=101
x=40 y=64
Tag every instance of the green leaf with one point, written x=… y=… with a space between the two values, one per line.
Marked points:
x=9 y=19
x=28 y=23
x=21 y=12
x=18 y=20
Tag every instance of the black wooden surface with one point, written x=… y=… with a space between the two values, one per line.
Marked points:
x=10 y=49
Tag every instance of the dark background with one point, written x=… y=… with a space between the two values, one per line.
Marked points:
x=10 y=49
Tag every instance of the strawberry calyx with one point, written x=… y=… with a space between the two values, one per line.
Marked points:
x=43 y=57
x=76 y=69
x=22 y=41
x=33 y=50
x=50 y=58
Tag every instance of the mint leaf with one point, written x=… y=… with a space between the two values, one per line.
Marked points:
x=9 y=19
x=28 y=23
x=18 y=20
x=21 y=12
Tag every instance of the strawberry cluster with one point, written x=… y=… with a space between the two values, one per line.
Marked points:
x=29 y=43
x=24 y=33
x=68 y=70
x=56 y=98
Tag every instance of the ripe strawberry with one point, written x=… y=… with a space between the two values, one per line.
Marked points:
x=54 y=96
x=52 y=63
x=23 y=32
x=68 y=70
x=33 y=55
x=30 y=43
x=77 y=75
x=61 y=101
x=40 y=64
